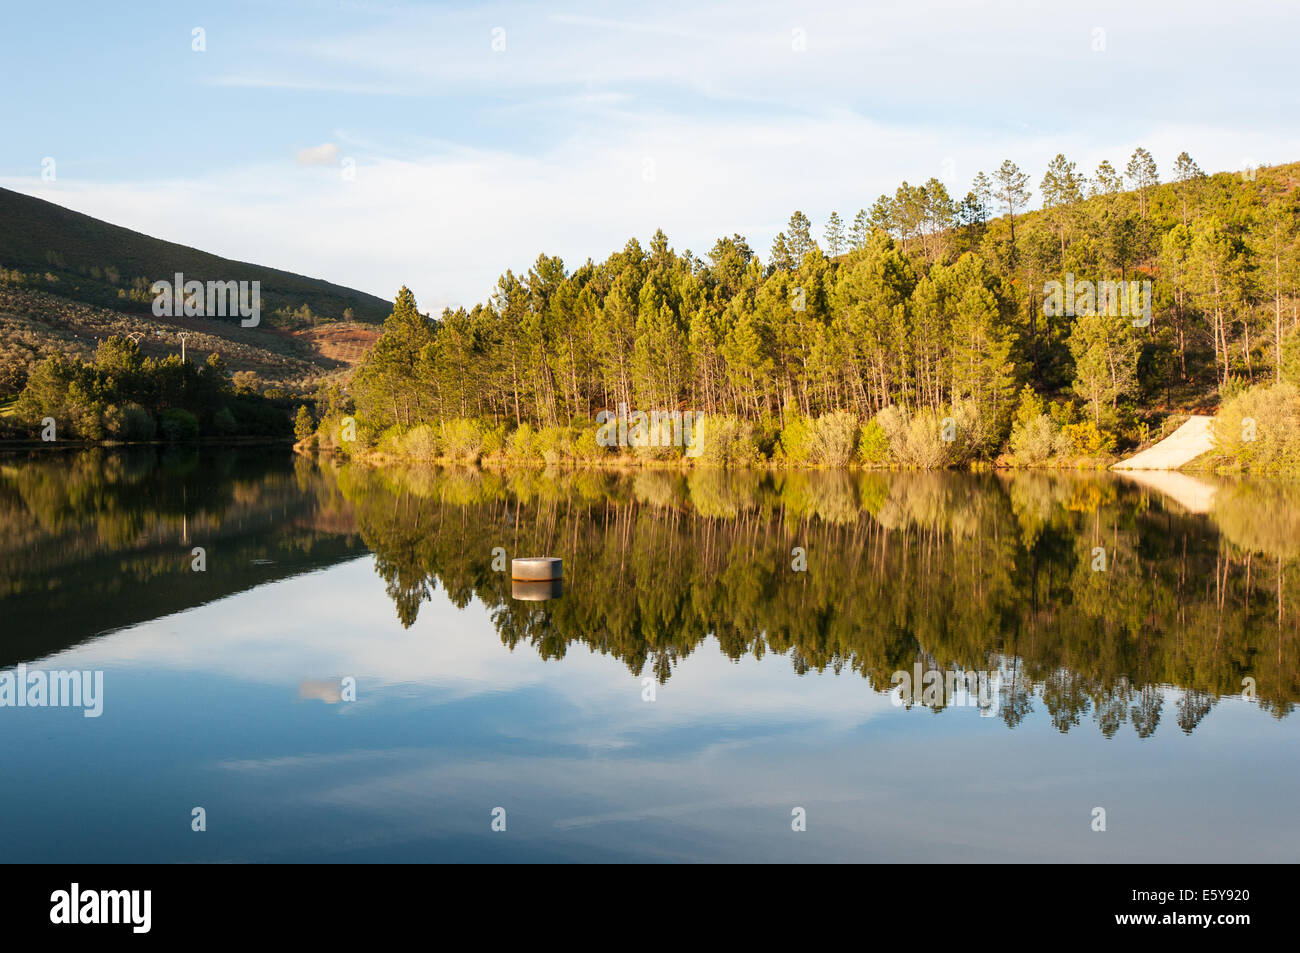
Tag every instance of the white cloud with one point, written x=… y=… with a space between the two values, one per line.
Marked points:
x=325 y=154
x=449 y=221
x=544 y=147
x=250 y=638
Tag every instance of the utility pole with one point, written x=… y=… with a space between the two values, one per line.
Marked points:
x=182 y=335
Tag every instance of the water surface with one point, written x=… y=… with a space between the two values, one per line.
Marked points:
x=723 y=653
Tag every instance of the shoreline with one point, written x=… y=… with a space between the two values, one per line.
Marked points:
x=121 y=444
x=382 y=460
x=379 y=460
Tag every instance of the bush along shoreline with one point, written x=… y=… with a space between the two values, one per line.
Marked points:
x=1257 y=430
x=893 y=439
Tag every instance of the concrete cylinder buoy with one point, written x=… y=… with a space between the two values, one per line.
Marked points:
x=535 y=568
x=536 y=590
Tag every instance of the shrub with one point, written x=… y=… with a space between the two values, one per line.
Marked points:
x=522 y=444
x=1036 y=440
x=795 y=443
x=223 y=421
x=330 y=433
x=1084 y=439
x=257 y=418
x=586 y=446
x=927 y=439
x=420 y=443
x=553 y=444
x=834 y=436
x=657 y=437
x=658 y=441
x=766 y=434
x=873 y=444
x=178 y=426
x=1259 y=429
x=130 y=422
x=669 y=452
x=494 y=439
x=390 y=440
x=462 y=440
x=723 y=440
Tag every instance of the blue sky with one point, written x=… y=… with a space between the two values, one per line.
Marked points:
x=380 y=144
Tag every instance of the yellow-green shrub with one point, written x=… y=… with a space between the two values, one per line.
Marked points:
x=421 y=443
x=873 y=444
x=795 y=443
x=462 y=440
x=1259 y=429
x=723 y=440
x=1084 y=439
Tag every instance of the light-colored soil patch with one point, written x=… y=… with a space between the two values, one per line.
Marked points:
x=1180 y=448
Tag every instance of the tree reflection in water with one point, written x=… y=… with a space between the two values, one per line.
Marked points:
x=992 y=572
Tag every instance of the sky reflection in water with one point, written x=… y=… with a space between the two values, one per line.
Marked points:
x=231 y=704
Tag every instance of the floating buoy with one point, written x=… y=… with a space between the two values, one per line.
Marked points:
x=536 y=590
x=536 y=568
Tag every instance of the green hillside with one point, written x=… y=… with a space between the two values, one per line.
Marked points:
x=929 y=330
x=46 y=247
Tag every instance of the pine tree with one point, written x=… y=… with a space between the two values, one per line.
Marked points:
x=882 y=215
x=303 y=425
x=834 y=234
x=1062 y=189
x=800 y=237
x=1106 y=181
x=782 y=258
x=1187 y=174
x=861 y=230
x=1142 y=173
x=1011 y=191
x=982 y=189
x=1105 y=347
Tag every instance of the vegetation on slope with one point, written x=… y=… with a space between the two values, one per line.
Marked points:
x=927 y=324
x=46 y=247
x=124 y=396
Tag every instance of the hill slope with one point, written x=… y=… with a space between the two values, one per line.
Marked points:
x=88 y=260
x=35 y=324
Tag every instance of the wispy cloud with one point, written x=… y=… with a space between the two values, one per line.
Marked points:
x=593 y=124
x=326 y=153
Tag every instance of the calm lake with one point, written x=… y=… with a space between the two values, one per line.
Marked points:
x=342 y=673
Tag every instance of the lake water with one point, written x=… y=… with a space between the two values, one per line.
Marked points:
x=350 y=678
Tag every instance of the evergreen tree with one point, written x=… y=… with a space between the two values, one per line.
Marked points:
x=1011 y=184
x=1187 y=174
x=800 y=238
x=1142 y=173
x=834 y=234
x=303 y=425
x=1062 y=189
x=861 y=230
x=1106 y=181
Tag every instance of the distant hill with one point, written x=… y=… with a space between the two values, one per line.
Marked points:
x=87 y=260
x=35 y=324
x=68 y=281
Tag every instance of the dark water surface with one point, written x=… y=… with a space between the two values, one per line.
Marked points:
x=688 y=692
